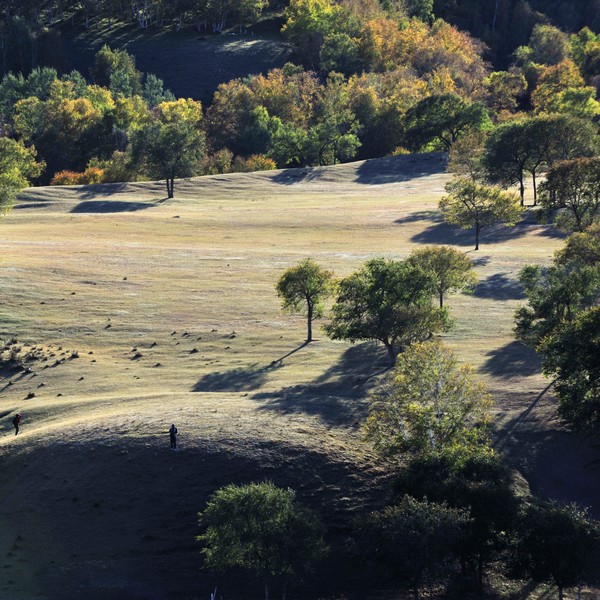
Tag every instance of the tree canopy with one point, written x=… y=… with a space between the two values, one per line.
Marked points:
x=304 y=287
x=430 y=404
x=262 y=529
x=473 y=205
x=452 y=270
x=388 y=301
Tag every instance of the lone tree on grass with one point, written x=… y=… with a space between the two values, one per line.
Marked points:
x=432 y=403
x=262 y=529
x=388 y=301
x=305 y=287
x=172 y=143
x=451 y=269
x=472 y=205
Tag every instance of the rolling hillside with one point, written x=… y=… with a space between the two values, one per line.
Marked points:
x=138 y=312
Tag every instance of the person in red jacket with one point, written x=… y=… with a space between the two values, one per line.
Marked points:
x=16 y=422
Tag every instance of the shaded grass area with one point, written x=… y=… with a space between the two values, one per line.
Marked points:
x=191 y=63
x=97 y=542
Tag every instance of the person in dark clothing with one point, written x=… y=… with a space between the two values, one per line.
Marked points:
x=173 y=437
x=16 y=422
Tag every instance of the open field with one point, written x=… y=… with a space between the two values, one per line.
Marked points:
x=170 y=307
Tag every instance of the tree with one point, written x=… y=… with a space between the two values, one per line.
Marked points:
x=263 y=529
x=443 y=119
x=581 y=248
x=507 y=155
x=470 y=204
x=18 y=166
x=305 y=286
x=572 y=188
x=561 y=88
x=466 y=156
x=172 y=143
x=470 y=478
x=503 y=90
x=451 y=269
x=558 y=543
x=413 y=542
x=115 y=69
x=431 y=403
x=388 y=301
x=570 y=355
x=555 y=296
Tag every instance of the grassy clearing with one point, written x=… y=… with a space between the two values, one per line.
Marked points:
x=191 y=64
x=172 y=310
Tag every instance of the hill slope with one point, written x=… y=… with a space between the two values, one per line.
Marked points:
x=145 y=312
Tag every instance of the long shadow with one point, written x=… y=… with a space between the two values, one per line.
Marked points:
x=512 y=360
x=241 y=379
x=101 y=189
x=421 y=215
x=109 y=206
x=500 y=286
x=395 y=169
x=152 y=505
x=520 y=419
x=442 y=233
x=292 y=176
x=338 y=396
x=235 y=380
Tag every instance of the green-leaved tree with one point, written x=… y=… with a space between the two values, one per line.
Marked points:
x=388 y=301
x=473 y=205
x=172 y=143
x=451 y=269
x=18 y=166
x=263 y=529
x=430 y=404
x=304 y=287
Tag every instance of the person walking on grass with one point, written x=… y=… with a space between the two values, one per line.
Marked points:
x=16 y=422
x=173 y=437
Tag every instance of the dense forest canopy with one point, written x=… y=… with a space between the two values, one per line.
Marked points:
x=369 y=78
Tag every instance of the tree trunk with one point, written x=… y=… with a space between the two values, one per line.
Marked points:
x=266 y=591
x=522 y=191
x=390 y=348
x=309 y=323
x=170 y=187
x=480 y=573
x=477 y=230
x=560 y=593
x=441 y=299
x=534 y=188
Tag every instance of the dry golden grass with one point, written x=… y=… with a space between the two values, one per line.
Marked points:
x=171 y=308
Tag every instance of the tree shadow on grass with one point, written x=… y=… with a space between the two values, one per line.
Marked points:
x=338 y=396
x=292 y=176
x=109 y=206
x=241 y=379
x=421 y=215
x=512 y=360
x=395 y=169
x=442 y=233
x=235 y=380
x=500 y=286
